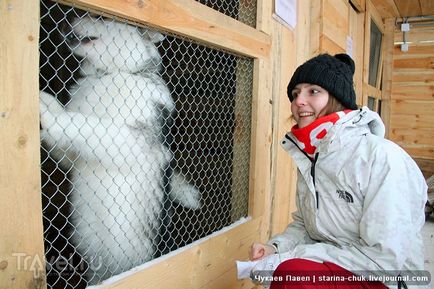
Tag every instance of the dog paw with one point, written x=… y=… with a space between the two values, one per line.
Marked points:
x=49 y=107
x=183 y=193
x=49 y=103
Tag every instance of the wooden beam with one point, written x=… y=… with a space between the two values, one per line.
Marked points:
x=415 y=108
x=412 y=92
x=366 y=50
x=408 y=8
x=262 y=127
x=386 y=8
x=197 y=266
x=360 y=5
x=372 y=91
x=21 y=239
x=414 y=63
x=423 y=152
x=241 y=133
x=187 y=18
x=330 y=46
x=426 y=166
x=284 y=62
x=419 y=50
x=263 y=19
x=418 y=78
x=336 y=24
x=316 y=26
x=261 y=140
x=356 y=32
x=415 y=122
x=375 y=16
x=427 y=7
x=408 y=136
x=387 y=72
x=417 y=36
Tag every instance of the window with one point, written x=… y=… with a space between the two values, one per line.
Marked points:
x=374 y=53
x=379 y=107
x=373 y=58
x=371 y=103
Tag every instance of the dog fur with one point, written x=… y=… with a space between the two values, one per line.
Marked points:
x=109 y=138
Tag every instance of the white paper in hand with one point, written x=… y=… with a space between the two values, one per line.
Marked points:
x=269 y=263
x=244 y=268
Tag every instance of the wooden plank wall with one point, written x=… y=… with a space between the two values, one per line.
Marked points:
x=322 y=26
x=412 y=96
x=290 y=49
x=333 y=22
x=336 y=26
x=21 y=253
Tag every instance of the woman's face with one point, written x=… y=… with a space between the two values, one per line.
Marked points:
x=309 y=103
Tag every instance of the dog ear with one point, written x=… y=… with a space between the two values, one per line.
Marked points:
x=155 y=36
x=152 y=35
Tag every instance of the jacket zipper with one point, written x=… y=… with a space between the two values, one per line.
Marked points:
x=312 y=173
x=312 y=168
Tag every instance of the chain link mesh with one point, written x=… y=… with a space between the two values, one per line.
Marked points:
x=242 y=10
x=145 y=143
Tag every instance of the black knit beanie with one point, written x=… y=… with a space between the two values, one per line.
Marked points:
x=333 y=73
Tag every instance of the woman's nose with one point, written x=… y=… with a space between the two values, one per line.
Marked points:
x=300 y=99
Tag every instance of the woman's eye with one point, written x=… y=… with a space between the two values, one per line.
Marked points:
x=314 y=91
x=294 y=94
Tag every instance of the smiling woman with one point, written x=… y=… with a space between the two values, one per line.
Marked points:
x=349 y=178
x=309 y=103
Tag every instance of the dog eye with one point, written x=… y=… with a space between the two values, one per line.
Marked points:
x=71 y=36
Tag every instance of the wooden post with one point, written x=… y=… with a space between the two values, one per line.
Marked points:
x=356 y=32
x=242 y=129
x=241 y=140
x=186 y=18
x=21 y=238
x=389 y=32
x=359 y=5
x=260 y=180
x=290 y=49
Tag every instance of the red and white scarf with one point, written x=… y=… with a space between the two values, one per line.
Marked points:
x=309 y=137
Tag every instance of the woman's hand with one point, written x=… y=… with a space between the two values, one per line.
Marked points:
x=259 y=251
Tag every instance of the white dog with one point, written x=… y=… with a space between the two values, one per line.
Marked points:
x=110 y=132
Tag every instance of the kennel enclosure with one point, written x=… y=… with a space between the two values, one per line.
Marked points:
x=222 y=33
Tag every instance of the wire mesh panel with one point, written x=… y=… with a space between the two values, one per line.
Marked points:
x=242 y=10
x=145 y=143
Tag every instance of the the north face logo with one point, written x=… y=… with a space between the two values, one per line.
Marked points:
x=345 y=196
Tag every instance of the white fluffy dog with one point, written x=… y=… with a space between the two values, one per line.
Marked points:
x=110 y=132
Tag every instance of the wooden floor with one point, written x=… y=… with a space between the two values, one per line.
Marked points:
x=428 y=238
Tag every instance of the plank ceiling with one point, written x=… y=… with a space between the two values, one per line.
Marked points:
x=404 y=8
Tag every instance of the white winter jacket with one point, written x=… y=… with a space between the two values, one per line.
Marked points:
x=360 y=202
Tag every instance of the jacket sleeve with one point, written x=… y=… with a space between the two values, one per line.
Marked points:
x=295 y=234
x=393 y=214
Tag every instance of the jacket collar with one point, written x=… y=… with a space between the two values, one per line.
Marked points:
x=358 y=122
